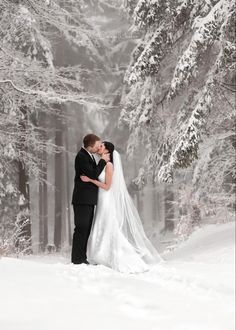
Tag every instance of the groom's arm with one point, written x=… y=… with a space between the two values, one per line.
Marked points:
x=86 y=167
x=108 y=178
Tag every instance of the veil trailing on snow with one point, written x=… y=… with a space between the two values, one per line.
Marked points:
x=128 y=217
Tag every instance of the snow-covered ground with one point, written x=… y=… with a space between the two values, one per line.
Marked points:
x=192 y=290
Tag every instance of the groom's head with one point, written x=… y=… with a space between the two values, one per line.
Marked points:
x=92 y=143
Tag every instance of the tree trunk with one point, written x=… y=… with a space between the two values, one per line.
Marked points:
x=155 y=207
x=24 y=189
x=169 y=209
x=68 y=209
x=58 y=185
x=43 y=205
x=24 y=204
x=43 y=192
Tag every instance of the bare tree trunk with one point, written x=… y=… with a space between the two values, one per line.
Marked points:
x=40 y=217
x=43 y=191
x=68 y=209
x=58 y=185
x=43 y=206
x=51 y=200
x=169 y=209
x=24 y=188
x=155 y=213
x=45 y=203
x=24 y=205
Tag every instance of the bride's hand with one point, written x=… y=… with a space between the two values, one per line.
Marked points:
x=84 y=178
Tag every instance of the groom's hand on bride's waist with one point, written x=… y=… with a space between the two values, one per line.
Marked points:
x=84 y=178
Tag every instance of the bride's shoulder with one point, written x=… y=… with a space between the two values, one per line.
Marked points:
x=109 y=166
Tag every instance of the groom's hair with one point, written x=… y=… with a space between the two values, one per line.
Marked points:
x=90 y=139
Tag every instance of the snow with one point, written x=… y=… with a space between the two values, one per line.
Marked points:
x=204 y=35
x=192 y=290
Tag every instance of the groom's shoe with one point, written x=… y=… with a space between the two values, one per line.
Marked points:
x=86 y=262
x=80 y=262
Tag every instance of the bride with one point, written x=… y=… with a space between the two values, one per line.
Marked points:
x=117 y=238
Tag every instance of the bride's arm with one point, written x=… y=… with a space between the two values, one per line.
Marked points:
x=108 y=178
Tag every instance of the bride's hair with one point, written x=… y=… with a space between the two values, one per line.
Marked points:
x=110 y=147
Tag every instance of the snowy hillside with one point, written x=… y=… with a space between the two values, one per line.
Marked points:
x=192 y=290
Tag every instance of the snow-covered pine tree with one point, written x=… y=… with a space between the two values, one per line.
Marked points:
x=180 y=89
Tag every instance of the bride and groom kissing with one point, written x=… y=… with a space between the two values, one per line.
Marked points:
x=108 y=230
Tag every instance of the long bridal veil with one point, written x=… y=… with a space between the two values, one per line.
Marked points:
x=128 y=217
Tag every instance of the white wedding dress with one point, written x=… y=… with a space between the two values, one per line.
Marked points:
x=117 y=238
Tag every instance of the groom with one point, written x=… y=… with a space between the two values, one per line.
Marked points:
x=85 y=195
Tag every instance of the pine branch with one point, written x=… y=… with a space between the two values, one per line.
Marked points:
x=51 y=96
x=228 y=88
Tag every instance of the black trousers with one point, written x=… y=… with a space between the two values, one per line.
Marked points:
x=83 y=217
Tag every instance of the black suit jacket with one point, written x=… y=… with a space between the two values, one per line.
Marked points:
x=86 y=192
